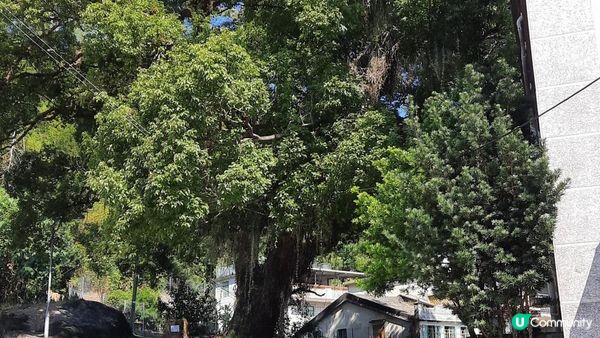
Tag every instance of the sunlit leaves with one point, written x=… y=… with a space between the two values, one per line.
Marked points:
x=247 y=178
x=8 y=208
x=121 y=36
x=55 y=135
x=191 y=112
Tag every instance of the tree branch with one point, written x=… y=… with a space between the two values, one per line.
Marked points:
x=23 y=74
x=48 y=114
x=265 y=138
x=304 y=289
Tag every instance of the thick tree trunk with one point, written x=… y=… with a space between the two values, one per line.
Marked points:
x=264 y=290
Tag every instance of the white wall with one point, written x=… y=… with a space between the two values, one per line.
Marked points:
x=225 y=297
x=565 y=37
x=357 y=320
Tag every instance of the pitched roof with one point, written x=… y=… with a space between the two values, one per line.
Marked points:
x=407 y=308
x=391 y=306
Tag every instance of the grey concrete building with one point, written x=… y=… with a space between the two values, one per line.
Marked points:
x=564 y=47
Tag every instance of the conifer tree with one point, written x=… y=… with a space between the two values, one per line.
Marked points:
x=463 y=209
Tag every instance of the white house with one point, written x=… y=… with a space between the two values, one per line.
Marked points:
x=325 y=285
x=360 y=315
x=338 y=308
x=225 y=286
x=438 y=322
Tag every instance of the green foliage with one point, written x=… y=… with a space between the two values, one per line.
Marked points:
x=32 y=86
x=120 y=36
x=50 y=193
x=217 y=86
x=8 y=208
x=201 y=142
x=342 y=258
x=238 y=143
x=439 y=39
x=147 y=296
x=48 y=186
x=104 y=250
x=247 y=179
x=53 y=134
x=24 y=273
x=472 y=217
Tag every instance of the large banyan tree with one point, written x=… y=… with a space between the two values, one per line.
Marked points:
x=203 y=146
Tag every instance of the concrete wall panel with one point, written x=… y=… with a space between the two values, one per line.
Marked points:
x=580 y=115
x=544 y=21
x=565 y=47
x=553 y=59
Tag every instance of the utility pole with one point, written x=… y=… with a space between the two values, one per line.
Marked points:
x=133 y=299
x=49 y=290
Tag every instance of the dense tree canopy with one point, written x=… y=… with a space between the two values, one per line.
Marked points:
x=241 y=132
x=187 y=152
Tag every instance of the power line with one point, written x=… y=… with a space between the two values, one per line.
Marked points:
x=70 y=66
x=77 y=74
x=62 y=62
x=24 y=33
x=540 y=115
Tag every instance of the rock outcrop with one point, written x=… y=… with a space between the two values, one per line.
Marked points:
x=12 y=322
x=83 y=319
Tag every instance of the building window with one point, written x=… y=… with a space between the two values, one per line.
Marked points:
x=309 y=311
x=296 y=310
x=432 y=331
x=342 y=333
x=463 y=332
x=306 y=310
x=449 y=332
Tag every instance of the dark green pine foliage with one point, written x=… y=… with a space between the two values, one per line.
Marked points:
x=457 y=210
x=198 y=307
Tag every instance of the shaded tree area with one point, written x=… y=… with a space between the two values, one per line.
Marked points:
x=45 y=130
x=49 y=193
